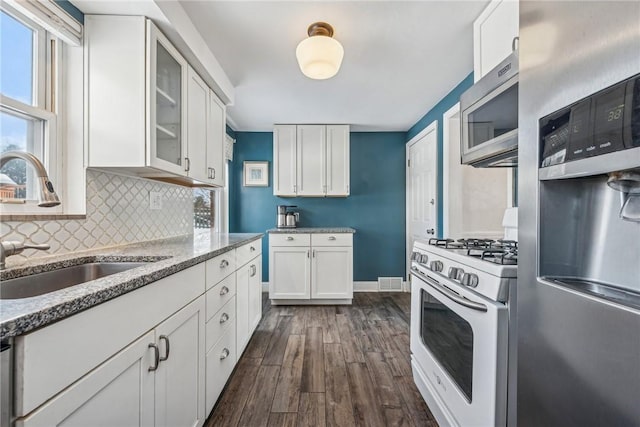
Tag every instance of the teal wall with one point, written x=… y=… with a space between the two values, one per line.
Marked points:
x=71 y=10
x=375 y=208
x=436 y=114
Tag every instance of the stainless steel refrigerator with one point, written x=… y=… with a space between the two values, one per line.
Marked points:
x=578 y=359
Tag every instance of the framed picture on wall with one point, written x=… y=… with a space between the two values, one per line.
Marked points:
x=255 y=174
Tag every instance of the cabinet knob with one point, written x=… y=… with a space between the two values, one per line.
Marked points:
x=252 y=249
x=225 y=354
x=224 y=290
x=224 y=318
x=224 y=263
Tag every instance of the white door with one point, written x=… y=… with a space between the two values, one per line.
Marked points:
x=311 y=158
x=180 y=374
x=337 y=160
x=216 y=137
x=422 y=168
x=289 y=275
x=284 y=160
x=255 y=293
x=332 y=272
x=197 y=102
x=117 y=393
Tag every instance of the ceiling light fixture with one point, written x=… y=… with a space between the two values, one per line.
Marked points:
x=320 y=55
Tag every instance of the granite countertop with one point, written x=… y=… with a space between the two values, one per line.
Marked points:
x=165 y=257
x=312 y=230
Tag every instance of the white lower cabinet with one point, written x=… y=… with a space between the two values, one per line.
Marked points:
x=311 y=267
x=118 y=393
x=157 y=356
x=157 y=380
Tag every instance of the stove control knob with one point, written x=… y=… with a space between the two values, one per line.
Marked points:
x=436 y=266
x=414 y=255
x=470 y=279
x=423 y=259
x=455 y=273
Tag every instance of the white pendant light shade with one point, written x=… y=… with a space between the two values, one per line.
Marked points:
x=319 y=56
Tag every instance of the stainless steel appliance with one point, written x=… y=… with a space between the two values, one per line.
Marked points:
x=6 y=383
x=462 y=326
x=489 y=125
x=579 y=275
x=287 y=218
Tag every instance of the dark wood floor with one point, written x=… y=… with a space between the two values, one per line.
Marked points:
x=327 y=366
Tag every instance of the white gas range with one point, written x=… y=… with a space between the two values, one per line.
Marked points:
x=460 y=326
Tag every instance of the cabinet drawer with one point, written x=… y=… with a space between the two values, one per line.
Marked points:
x=219 y=295
x=290 y=239
x=220 y=267
x=219 y=322
x=220 y=361
x=332 y=239
x=246 y=253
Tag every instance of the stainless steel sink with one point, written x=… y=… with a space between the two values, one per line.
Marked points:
x=42 y=283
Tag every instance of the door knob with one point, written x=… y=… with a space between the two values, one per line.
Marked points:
x=431 y=231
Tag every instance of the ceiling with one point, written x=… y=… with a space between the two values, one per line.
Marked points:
x=400 y=59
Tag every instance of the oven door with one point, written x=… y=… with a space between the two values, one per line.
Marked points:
x=459 y=345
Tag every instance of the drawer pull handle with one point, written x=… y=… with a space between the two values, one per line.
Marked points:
x=332 y=237
x=224 y=263
x=224 y=317
x=252 y=249
x=253 y=270
x=167 y=348
x=224 y=291
x=225 y=354
x=289 y=238
x=156 y=357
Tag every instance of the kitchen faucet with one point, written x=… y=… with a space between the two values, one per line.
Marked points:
x=47 y=198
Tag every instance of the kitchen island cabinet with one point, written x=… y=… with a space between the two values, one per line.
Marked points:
x=311 y=266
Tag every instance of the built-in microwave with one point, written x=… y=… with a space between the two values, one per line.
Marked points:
x=489 y=122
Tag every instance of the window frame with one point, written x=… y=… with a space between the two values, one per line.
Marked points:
x=46 y=95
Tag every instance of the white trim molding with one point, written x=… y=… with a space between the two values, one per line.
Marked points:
x=52 y=18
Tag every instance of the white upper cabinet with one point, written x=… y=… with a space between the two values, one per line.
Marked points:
x=493 y=35
x=153 y=116
x=311 y=160
x=337 y=165
x=284 y=160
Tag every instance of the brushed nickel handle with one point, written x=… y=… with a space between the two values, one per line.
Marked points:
x=252 y=249
x=224 y=318
x=166 y=347
x=289 y=238
x=187 y=164
x=514 y=43
x=332 y=237
x=156 y=357
x=213 y=173
x=224 y=263
x=224 y=290
x=431 y=231
x=314 y=253
x=253 y=270
x=307 y=254
x=225 y=354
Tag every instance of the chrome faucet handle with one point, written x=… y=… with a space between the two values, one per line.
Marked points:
x=13 y=247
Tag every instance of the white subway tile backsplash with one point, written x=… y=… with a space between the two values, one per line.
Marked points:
x=117 y=213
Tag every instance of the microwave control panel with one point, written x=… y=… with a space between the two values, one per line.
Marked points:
x=604 y=122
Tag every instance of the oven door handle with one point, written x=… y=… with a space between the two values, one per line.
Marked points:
x=449 y=294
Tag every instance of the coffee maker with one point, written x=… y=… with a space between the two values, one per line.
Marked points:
x=287 y=218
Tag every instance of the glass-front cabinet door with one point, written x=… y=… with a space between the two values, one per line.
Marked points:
x=167 y=94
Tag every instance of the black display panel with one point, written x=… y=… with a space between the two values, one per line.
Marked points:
x=602 y=123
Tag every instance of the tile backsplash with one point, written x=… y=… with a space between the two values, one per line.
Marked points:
x=117 y=213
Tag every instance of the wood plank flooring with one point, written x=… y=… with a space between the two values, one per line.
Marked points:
x=327 y=366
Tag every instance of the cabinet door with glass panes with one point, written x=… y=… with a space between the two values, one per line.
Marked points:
x=167 y=110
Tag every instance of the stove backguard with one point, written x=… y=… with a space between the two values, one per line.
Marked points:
x=582 y=235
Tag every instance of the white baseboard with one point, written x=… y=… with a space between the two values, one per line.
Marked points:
x=370 y=286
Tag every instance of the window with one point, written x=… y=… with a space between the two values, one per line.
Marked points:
x=28 y=109
x=210 y=207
